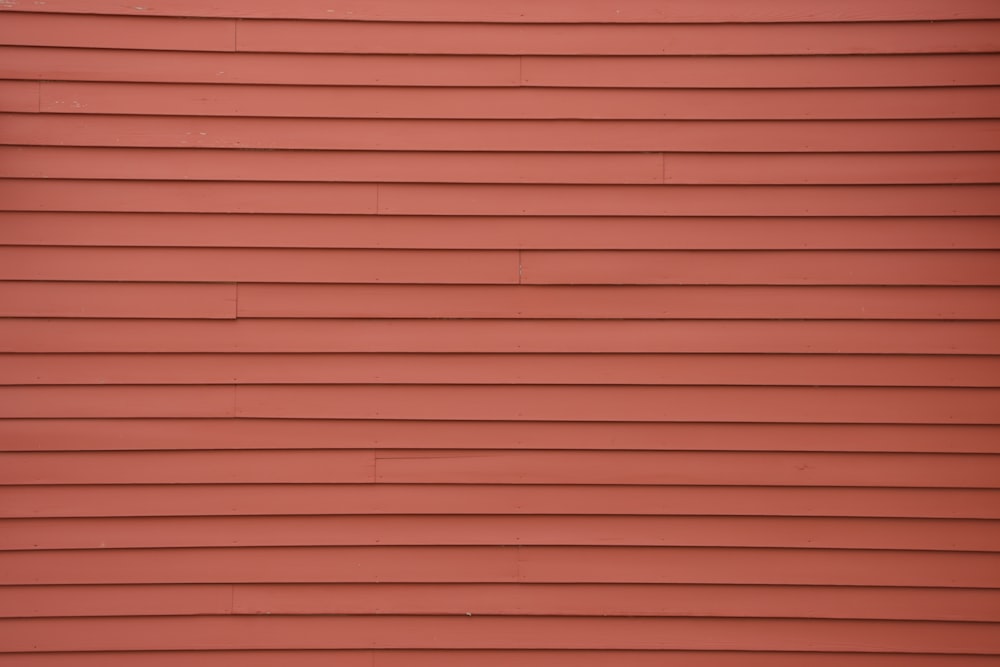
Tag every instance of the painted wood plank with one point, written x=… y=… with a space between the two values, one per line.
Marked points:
x=710 y=168
x=493 y=658
x=190 y=467
x=471 y=167
x=480 y=466
x=677 y=531
x=505 y=135
x=679 y=268
x=903 y=405
x=486 y=336
x=306 y=434
x=522 y=564
x=540 y=11
x=327 y=564
x=542 y=599
x=358 y=632
x=205 y=99
x=29 y=62
x=156 y=300
x=624 y=301
x=327 y=166
x=667 y=564
x=505 y=599
x=124 y=32
x=815 y=267
x=314 y=69
x=245 y=264
x=221 y=658
x=604 y=39
x=20 y=96
x=906 y=405
x=719 y=71
x=213 y=300
x=120 y=401
x=699 y=468
x=150 y=500
x=501 y=369
x=721 y=200
x=81 y=601
x=176 y=196
x=258 y=230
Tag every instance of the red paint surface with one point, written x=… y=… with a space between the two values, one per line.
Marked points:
x=535 y=333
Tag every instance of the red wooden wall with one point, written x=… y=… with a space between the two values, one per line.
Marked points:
x=467 y=332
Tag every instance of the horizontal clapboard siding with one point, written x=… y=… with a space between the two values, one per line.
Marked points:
x=500 y=199
x=881 y=71
x=283 y=499
x=482 y=466
x=770 y=532
x=940 y=604
x=538 y=267
x=277 y=36
x=514 y=134
x=905 y=405
x=547 y=11
x=504 y=564
x=519 y=102
x=500 y=369
x=279 y=632
x=274 y=335
x=531 y=333
x=258 y=230
x=532 y=658
x=23 y=298
x=58 y=435
x=458 y=167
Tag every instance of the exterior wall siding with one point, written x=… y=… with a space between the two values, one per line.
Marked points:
x=530 y=333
